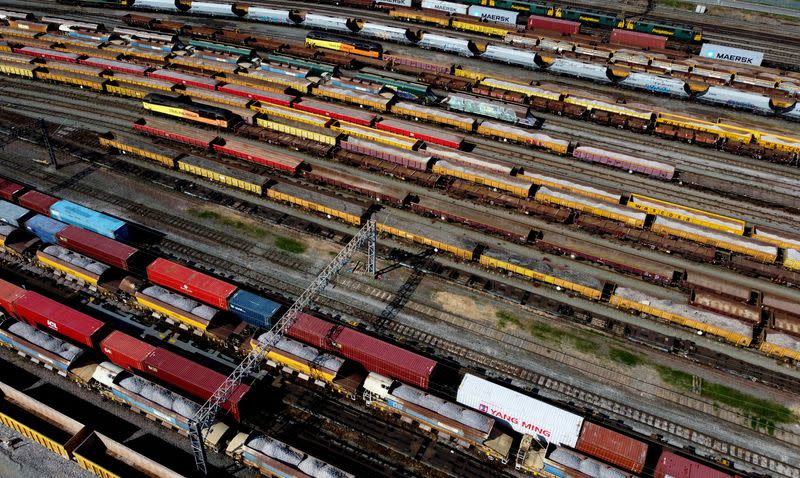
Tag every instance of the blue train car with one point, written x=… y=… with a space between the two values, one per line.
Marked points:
x=45 y=228
x=40 y=345
x=89 y=219
x=253 y=309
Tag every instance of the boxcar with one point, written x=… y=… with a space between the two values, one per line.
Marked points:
x=223 y=174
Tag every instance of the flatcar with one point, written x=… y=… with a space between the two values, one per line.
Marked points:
x=320 y=39
x=183 y=107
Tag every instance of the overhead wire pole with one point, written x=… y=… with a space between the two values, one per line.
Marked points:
x=204 y=418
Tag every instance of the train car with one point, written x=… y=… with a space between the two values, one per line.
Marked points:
x=143 y=149
x=557 y=25
x=44 y=228
x=472 y=160
x=720 y=304
x=494 y=224
x=204 y=65
x=377 y=135
x=184 y=108
x=418 y=160
x=732 y=330
x=613 y=447
x=145 y=82
x=97 y=246
x=422 y=232
x=47 y=54
x=218 y=97
x=428 y=135
x=13 y=215
x=179 y=78
x=258 y=94
x=41 y=311
x=329 y=110
x=511 y=184
x=300 y=85
x=18 y=69
x=524 y=136
x=63 y=357
x=83 y=217
x=173 y=306
x=424 y=15
x=612 y=196
x=623 y=161
x=564 y=462
x=435 y=115
x=678 y=32
x=375 y=190
x=716 y=238
x=195 y=284
x=499 y=110
x=430 y=411
x=490 y=23
x=177 y=132
x=541 y=270
x=588 y=17
x=67 y=77
x=377 y=102
x=321 y=39
x=588 y=205
x=687 y=214
x=121 y=66
x=331 y=206
x=673 y=465
x=303 y=130
x=260 y=155
x=223 y=174
x=72 y=264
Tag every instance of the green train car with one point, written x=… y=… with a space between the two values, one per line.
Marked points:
x=518 y=6
x=315 y=68
x=212 y=46
x=589 y=17
x=677 y=32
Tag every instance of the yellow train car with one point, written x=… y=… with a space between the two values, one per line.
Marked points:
x=377 y=102
x=166 y=310
x=524 y=136
x=592 y=104
x=139 y=148
x=472 y=24
x=792 y=259
x=687 y=214
x=4 y=47
x=577 y=187
x=722 y=240
x=277 y=111
x=410 y=228
x=79 y=273
x=295 y=355
x=778 y=351
x=591 y=206
x=373 y=134
x=526 y=267
x=697 y=124
x=332 y=41
x=223 y=174
x=778 y=142
x=255 y=83
x=57 y=66
x=730 y=336
x=434 y=115
x=421 y=16
x=469 y=74
x=516 y=186
x=151 y=55
x=18 y=69
x=301 y=130
x=285 y=81
x=124 y=79
x=206 y=66
x=138 y=92
x=70 y=78
x=524 y=88
x=309 y=199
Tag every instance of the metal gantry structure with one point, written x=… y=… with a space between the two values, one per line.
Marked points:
x=201 y=422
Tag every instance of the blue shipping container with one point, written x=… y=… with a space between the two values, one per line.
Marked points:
x=12 y=214
x=89 y=219
x=44 y=228
x=253 y=309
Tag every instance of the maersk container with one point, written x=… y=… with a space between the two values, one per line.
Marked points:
x=253 y=309
x=495 y=15
x=399 y=3
x=449 y=7
x=44 y=228
x=81 y=216
x=522 y=413
x=12 y=214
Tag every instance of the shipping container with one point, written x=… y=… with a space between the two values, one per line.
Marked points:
x=44 y=228
x=449 y=7
x=90 y=219
x=12 y=214
x=103 y=249
x=193 y=283
x=613 y=447
x=126 y=351
x=37 y=309
x=36 y=201
x=8 y=294
x=637 y=39
x=253 y=309
x=9 y=190
x=523 y=413
x=671 y=465
x=565 y=27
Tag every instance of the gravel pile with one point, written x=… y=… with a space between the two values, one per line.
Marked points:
x=160 y=395
x=180 y=302
x=319 y=469
x=276 y=449
x=784 y=340
x=46 y=341
x=76 y=259
x=310 y=353
x=585 y=465
x=445 y=408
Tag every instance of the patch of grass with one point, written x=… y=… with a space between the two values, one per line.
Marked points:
x=584 y=345
x=544 y=331
x=504 y=318
x=249 y=229
x=676 y=4
x=290 y=245
x=763 y=413
x=625 y=357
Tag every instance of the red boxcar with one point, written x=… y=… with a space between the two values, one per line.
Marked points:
x=564 y=27
x=48 y=54
x=374 y=354
x=257 y=94
x=671 y=465
x=193 y=378
x=114 y=65
x=258 y=154
x=126 y=351
x=613 y=447
x=36 y=201
x=9 y=189
x=185 y=79
x=637 y=39
x=353 y=115
x=103 y=249
x=37 y=309
x=414 y=130
x=188 y=281
x=176 y=132
x=8 y=294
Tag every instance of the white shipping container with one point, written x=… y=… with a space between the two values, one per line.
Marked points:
x=523 y=413
x=448 y=7
x=494 y=14
x=735 y=55
x=402 y=3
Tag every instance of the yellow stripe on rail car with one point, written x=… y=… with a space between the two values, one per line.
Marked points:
x=463 y=253
x=93 y=467
x=471 y=74
x=538 y=276
x=543 y=196
x=671 y=210
x=63 y=268
x=34 y=435
x=169 y=313
x=518 y=190
x=628 y=304
x=279 y=196
x=696 y=124
x=373 y=134
x=293 y=114
x=111 y=143
x=328 y=138
x=778 y=351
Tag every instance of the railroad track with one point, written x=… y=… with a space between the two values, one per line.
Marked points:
x=411 y=335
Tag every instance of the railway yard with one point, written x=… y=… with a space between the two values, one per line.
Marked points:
x=401 y=238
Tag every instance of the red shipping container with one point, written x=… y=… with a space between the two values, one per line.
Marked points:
x=195 y=284
x=671 y=465
x=126 y=351
x=9 y=189
x=257 y=94
x=637 y=39
x=613 y=447
x=192 y=378
x=37 y=309
x=330 y=110
x=36 y=201
x=311 y=330
x=8 y=294
x=414 y=130
x=565 y=27
x=184 y=79
x=101 y=248
x=386 y=359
